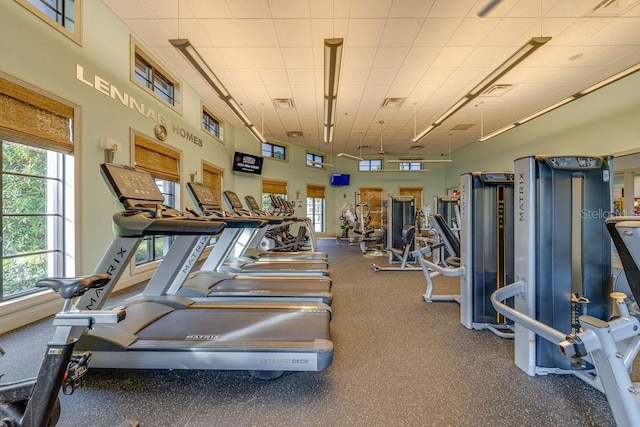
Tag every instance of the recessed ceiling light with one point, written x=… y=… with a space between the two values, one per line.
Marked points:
x=294 y=134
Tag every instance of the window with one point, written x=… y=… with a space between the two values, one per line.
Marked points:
x=409 y=165
x=37 y=189
x=370 y=165
x=211 y=124
x=163 y=163
x=315 y=160
x=146 y=73
x=315 y=206
x=63 y=15
x=272 y=187
x=275 y=151
x=212 y=177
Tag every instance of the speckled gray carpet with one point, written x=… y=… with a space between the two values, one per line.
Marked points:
x=398 y=361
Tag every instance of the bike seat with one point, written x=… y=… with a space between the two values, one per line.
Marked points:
x=71 y=287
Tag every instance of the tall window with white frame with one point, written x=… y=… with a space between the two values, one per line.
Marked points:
x=37 y=189
x=316 y=206
x=212 y=125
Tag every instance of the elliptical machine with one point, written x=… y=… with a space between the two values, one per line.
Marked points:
x=34 y=402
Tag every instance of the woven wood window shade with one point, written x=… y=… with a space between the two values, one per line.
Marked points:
x=274 y=187
x=415 y=192
x=315 y=191
x=160 y=161
x=212 y=177
x=374 y=197
x=33 y=119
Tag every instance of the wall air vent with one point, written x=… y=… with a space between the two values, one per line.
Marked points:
x=392 y=103
x=496 y=90
x=283 y=103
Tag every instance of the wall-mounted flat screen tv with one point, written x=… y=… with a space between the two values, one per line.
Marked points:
x=340 y=179
x=248 y=163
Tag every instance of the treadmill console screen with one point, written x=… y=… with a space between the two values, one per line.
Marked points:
x=203 y=195
x=253 y=204
x=233 y=199
x=496 y=177
x=129 y=183
x=574 y=162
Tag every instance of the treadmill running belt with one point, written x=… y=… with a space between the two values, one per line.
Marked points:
x=233 y=325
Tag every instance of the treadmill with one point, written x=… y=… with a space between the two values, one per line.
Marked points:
x=250 y=245
x=235 y=263
x=173 y=332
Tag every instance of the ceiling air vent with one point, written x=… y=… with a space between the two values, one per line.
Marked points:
x=416 y=147
x=283 y=103
x=496 y=90
x=392 y=103
x=294 y=134
x=365 y=147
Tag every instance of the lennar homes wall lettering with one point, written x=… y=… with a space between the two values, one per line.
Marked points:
x=108 y=89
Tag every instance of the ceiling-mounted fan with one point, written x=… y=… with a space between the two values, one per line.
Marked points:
x=488 y=8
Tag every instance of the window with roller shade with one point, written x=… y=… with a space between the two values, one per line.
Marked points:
x=315 y=206
x=212 y=177
x=37 y=188
x=163 y=163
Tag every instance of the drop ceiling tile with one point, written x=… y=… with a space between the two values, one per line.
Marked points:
x=303 y=91
x=471 y=30
x=245 y=76
x=297 y=57
x=451 y=56
x=222 y=32
x=274 y=76
x=409 y=76
x=410 y=8
x=130 y=9
x=572 y=8
x=390 y=57
x=487 y=56
x=358 y=57
x=400 y=91
x=364 y=32
x=163 y=8
x=301 y=76
x=326 y=29
x=437 y=31
x=354 y=76
x=236 y=57
x=401 y=32
x=276 y=91
x=266 y=57
x=447 y=8
x=370 y=9
x=227 y=77
x=249 y=8
x=149 y=30
x=466 y=76
x=212 y=57
x=293 y=32
x=625 y=31
x=208 y=8
x=512 y=31
x=421 y=57
x=382 y=76
x=290 y=9
x=581 y=30
x=257 y=32
x=195 y=33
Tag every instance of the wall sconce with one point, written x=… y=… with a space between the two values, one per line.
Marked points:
x=110 y=147
x=192 y=175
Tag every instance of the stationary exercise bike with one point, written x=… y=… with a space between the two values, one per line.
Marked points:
x=34 y=402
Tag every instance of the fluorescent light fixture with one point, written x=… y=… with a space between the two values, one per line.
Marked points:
x=611 y=79
x=458 y=105
x=192 y=56
x=423 y=133
x=349 y=156
x=605 y=82
x=332 y=61
x=320 y=163
x=497 y=132
x=420 y=161
x=546 y=110
x=518 y=56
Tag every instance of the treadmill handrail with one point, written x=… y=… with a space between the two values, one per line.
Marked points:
x=128 y=224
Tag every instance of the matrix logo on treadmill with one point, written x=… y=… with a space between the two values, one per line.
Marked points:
x=202 y=337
